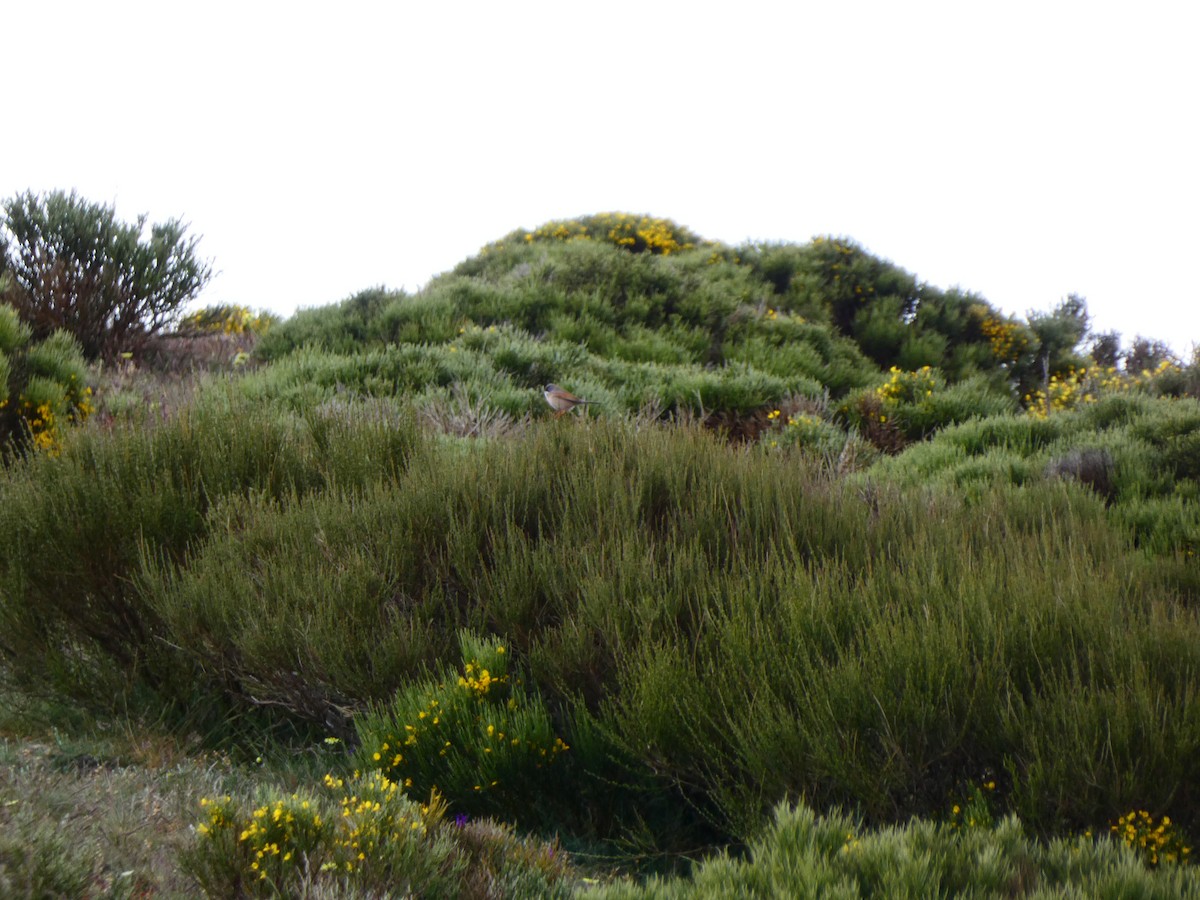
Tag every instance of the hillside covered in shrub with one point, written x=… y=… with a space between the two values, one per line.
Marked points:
x=853 y=573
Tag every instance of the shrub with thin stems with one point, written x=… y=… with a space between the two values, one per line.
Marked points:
x=72 y=265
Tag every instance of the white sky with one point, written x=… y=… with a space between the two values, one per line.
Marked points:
x=1023 y=150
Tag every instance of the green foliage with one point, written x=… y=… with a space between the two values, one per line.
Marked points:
x=40 y=862
x=803 y=854
x=477 y=737
x=79 y=527
x=342 y=328
x=14 y=334
x=911 y=406
x=705 y=584
x=1151 y=481
x=42 y=388
x=73 y=266
x=1050 y=344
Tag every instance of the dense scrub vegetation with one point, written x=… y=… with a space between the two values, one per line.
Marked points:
x=829 y=539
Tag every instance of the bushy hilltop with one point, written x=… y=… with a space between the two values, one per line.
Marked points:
x=637 y=311
x=820 y=346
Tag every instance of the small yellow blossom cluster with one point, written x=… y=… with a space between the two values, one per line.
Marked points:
x=1008 y=340
x=638 y=234
x=842 y=255
x=43 y=420
x=799 y=420
x=43 y=429
x=361 y=821
x=478 y=679
x=1076 y=387
x=904 y=387
x=282 y=833
x=976 y=810
x=227 y=319
x=377 y=814
x=838 y=246
x=218 y=812
x=806 y=430
x=1155 y=841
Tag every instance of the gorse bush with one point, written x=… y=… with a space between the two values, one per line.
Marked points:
x=1076 y=387
x=364 y=836
x=43 y=387
x=1144 y=446
x=230 y=319
x=636 y=234
x=1157 y=841
x=478 y=738
x=910 y=406
x=780 y=314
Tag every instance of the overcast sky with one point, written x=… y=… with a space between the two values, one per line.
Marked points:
x=1022 y=151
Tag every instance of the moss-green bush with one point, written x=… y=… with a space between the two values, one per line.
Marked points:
x=79 y=527
x=1147 y=441
x=43 y=388
x=802 y=854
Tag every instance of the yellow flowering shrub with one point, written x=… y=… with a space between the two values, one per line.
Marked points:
x=804 y=429
x=475 y=736
x=42 y=387
x=909 y=387
x=230 y=319
x=637 y=234
x=1008 y=339
x=911 y=405
x=974 y=809
x=359 y=829
x=1156 y=841
x=1077 y=387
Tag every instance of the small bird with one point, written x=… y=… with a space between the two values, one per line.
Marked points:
x=562 y=401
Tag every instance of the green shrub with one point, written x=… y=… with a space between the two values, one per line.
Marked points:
x=910 y=406
x=75 y=268
x=38 y=862
x=477 y=736
x=42 y=387
x=341 y=328
x=803 y=854
x=363 y=836
x=1145 y=441
x=113 y=500
x=933 y=635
